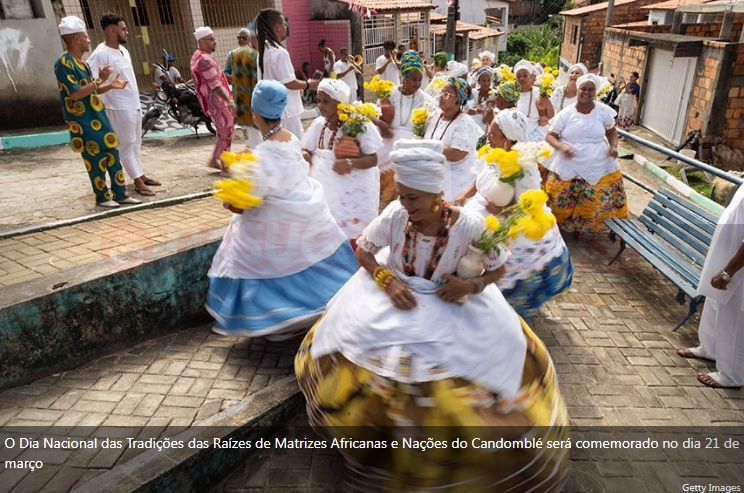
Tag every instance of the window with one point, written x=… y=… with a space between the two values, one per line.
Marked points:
x=574 y=34
x=377 y=30
x=231 y=13
x=87 y=16
x=165 y=12
x=139 y=14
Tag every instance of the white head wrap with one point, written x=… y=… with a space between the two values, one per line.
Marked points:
x=512 y=123
x=335 y=88
x=594 y=79
x=526 y=65
x=579 y=66
x=456 y=69
x=71 y=25
x=488 y=54
x=419 y=164
x=539 y=70
x=202 y=32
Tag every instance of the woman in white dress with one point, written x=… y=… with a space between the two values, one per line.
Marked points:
x=584 y=182
x=404 y=98
x=399 y=354
x=565 y=96
x=459 y=134
x=538 y=109
x=351 y=185
x=483 y=102
x=537 y=270
x=264 y=280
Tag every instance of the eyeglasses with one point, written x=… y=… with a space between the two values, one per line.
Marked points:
x=447 y=95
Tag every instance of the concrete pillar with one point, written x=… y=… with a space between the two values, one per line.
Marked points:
x=677 y=23
x=727 y=25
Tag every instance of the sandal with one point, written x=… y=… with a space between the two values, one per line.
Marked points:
x=151 y=183
x=693 y=352
x=145 y=191
x=711 y=381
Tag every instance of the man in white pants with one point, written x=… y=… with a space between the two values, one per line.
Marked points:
x=122 y=107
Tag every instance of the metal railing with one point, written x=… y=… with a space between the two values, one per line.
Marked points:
x=681 y=157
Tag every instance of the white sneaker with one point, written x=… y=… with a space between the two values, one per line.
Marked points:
x=129 y=200
x=108 y=203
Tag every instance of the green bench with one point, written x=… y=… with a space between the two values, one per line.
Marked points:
x=673 y=235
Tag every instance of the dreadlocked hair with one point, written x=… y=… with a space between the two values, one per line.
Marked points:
x=265 y=22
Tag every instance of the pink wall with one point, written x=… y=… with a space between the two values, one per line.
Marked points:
x=304 y=35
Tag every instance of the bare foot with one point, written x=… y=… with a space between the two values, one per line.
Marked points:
x=141 y=188
x=213 y=163
x=150 y=181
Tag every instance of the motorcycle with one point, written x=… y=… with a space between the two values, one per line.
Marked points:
x=181 y=103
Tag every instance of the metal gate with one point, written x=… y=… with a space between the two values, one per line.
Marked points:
x=667 y=94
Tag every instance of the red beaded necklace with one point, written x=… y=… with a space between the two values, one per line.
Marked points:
x=409 y=246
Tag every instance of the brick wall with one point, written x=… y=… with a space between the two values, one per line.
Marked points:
x=711 y=29
x=569 y=49
x=594 y=26
x=305 y=34
x=619 y=58
x=702 y=94
x=734 y=126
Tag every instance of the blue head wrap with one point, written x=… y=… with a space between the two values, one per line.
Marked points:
x=409 y=62
x=269 y=99
x=462 y=89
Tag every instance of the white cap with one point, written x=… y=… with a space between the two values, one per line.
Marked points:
x=71 y=25
x=202 y=32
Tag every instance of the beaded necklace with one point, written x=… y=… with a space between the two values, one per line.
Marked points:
x=410 y=110
x=321 y=145
x=433 y=132
x=409 y=246
x=272 y=132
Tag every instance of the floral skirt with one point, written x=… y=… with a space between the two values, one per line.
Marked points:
x=348 y=401
x=581 y=207
x=528 y=295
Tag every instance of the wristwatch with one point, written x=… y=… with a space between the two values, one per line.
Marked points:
x=725 y=276
x=98 y=82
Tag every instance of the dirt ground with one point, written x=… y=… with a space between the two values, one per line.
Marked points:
x=49 y=184
x=44 y=185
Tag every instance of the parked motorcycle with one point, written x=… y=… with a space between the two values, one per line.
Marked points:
x=182 y=105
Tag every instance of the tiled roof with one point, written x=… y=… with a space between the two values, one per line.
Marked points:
x=462 y=27
x=485 y=32
x=387 y=5
x=672 y=4
x=597 y=7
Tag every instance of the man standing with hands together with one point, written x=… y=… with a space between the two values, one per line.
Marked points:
x=90 y=130
x=213 y=91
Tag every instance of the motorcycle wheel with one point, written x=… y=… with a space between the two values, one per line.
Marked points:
x=210 y=127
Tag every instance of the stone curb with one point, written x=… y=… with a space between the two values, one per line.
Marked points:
x=104 y=214
x=31 y=141
x=194 y=470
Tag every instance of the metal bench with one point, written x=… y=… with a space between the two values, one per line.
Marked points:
x=673 y=235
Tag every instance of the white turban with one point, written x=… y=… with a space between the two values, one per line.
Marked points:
x=594 y=79
x=456 y=69
x=488 y=54
x=579 y=66
x=419 y=164
x=539 y=70
x=335 y=88
x=202 y=32
x=526 y=65
x=71 y=25
x=512 y=123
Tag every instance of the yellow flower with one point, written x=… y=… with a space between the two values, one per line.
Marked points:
x=492 y=224
x=483 y=150
x=534 y=228
x=545 y=153
x=533 y=201
x=509 y=168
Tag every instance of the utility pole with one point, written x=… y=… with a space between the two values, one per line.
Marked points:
x=453 y=13
x=610 y=9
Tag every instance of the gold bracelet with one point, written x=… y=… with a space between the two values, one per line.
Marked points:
x=381 y=276
x=480 y=284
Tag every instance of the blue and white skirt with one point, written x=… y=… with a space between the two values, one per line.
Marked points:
x=279 y=307
x=529 y=294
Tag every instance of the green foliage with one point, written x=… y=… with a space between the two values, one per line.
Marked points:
x=535 y=43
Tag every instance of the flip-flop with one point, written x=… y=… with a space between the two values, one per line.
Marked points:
x=707 y=379
x=689 y=352
x=145 y=192
x=151 y=183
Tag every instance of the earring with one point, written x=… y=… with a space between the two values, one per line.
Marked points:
x=437 y=206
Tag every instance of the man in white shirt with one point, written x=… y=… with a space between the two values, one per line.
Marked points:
x=122 y=107
x=170 y=74
x=346 y=72
x=387 y=65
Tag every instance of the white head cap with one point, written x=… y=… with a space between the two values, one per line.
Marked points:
x=526 y=65
x=335 y=88
x=419 y=164
x=71 y=25
x=202 y=32
x=512 y=123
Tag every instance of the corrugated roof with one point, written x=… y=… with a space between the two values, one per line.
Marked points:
x=671 y=4
x=387 y=5
x=461 y=27
x=716 y=7
x=594 y=8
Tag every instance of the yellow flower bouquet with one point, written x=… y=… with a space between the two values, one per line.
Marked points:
x=419 y=118
x=546 y=83
x=354 y=116
x=381 y=88
x=505 y=163
x=507 y=74
x=236 y=190
x=436 y=85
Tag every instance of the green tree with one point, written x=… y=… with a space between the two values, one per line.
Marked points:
x=538 y=43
